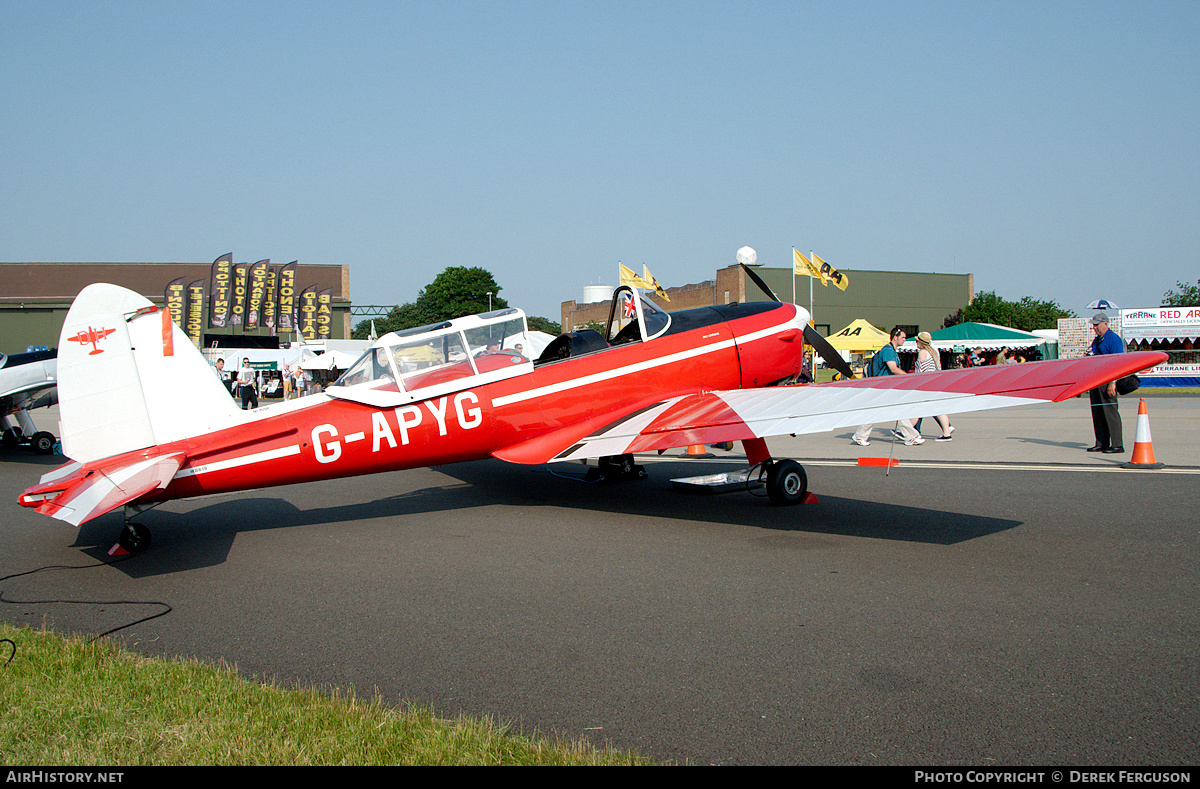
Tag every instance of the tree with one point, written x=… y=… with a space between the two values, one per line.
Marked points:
x=455 y=292
x=459 y=291
x=1027 y=314
x=543 y=324
x=1186 y=296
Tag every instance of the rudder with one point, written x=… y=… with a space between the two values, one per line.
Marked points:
x=128 y=379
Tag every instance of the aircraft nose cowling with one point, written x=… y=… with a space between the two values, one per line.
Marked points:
x=771 y=347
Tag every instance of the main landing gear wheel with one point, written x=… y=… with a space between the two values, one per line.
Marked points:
x=615 y=467
x=134 y=538
x=43 y=443
x=786 y=482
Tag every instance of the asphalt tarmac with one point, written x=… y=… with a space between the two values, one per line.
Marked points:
x=1002 y=599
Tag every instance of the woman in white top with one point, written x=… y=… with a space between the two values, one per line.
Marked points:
x=927 y=362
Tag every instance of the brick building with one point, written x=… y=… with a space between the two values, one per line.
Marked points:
x=913 y=300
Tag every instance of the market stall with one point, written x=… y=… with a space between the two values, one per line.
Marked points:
x=857 y=340
x=958 y=339
x=1174 y=330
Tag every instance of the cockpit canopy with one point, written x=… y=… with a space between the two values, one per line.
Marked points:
x=444 y=357
x=632 y=318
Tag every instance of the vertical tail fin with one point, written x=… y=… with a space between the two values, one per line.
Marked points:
x=127 y=380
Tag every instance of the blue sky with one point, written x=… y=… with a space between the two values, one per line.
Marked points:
x=1052 y=149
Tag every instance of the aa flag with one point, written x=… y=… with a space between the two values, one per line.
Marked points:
x=652 y=283
x=631 y=279
x=805 y=268
x=829 y=273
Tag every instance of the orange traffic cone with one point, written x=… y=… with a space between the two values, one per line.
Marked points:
x=1143 y=446
x=698 y=451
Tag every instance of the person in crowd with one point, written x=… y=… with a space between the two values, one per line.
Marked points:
x=886 y=361
x=223 y=376
x=1106 y=419
x=929 y=362
x=245 y=381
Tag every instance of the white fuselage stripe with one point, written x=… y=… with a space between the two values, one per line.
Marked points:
x=573 y=383
x=245 y=460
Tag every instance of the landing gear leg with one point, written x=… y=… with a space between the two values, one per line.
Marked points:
x=135 y=537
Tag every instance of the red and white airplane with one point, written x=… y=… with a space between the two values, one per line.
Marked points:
x=148 y=421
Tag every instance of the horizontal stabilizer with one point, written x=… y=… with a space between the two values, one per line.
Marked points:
x=77 y=492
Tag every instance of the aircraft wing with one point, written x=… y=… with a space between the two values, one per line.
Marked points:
x=34 y=395
x=78 y=492
x=739 y=415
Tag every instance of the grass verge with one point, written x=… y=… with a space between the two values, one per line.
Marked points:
x=66 y=701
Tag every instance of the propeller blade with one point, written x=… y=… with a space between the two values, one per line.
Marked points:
x=758 y=281
x=827 y=352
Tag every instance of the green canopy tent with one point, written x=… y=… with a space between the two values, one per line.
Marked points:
x=987 y=336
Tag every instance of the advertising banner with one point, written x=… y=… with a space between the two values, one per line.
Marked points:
x=324 y=313
x=256 y=292
x=271 y=300
x=308 y=313
x=1160 y=316
x=237 y=307
x=288 y=303
x=193 y=315
x=221 y=290
x=173 y=299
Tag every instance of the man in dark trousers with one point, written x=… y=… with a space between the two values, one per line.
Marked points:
x=1106 y=420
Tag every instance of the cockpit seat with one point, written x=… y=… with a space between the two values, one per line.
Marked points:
x=572 y=343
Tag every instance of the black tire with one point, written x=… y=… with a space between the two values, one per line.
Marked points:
x=134 y=538
x=787 y=483
x=618 y=467
x=43 y=443
x=12 y=437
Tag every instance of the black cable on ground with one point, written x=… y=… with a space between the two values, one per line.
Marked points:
x=166 y=608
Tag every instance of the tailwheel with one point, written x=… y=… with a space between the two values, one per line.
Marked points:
x=134 y=538
x=786 y=482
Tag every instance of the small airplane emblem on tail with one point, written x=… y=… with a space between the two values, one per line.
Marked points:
x=92 y=336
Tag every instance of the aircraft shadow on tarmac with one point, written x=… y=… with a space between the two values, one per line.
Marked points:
x=203 y=535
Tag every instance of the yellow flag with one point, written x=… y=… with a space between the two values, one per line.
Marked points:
x=805 y=268
x=828 y=272
x=652 y=283
x=631 y=279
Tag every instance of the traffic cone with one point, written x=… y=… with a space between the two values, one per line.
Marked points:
x=698 y=451
x=1143 y=446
